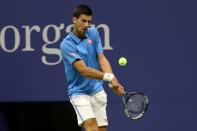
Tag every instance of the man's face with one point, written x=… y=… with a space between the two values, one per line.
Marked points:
x=82 y=23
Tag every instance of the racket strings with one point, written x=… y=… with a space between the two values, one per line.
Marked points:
x=135 y=105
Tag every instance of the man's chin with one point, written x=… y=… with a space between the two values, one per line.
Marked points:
x=83 y=32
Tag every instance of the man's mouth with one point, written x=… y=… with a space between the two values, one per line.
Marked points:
x=85 y=29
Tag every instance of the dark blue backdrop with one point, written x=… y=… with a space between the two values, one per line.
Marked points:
x=158 y=37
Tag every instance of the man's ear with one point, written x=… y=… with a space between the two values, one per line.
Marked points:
x=74 y=20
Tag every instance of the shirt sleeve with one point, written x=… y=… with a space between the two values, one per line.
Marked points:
x=99 y=48
x=69 y=52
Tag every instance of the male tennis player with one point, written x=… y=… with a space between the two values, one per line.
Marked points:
x=86 y=68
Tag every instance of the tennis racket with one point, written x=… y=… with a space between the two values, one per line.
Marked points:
x=135 y=104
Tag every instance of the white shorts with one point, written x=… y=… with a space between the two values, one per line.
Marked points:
x=91 y=106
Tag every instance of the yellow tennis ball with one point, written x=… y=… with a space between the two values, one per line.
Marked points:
x=122 y=61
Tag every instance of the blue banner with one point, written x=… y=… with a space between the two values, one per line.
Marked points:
x=158 y=38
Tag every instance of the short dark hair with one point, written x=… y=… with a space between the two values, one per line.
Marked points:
x=82 y=9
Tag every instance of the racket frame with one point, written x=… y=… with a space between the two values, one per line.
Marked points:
x=129 y=94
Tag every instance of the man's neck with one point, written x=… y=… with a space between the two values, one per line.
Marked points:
x=81 y=36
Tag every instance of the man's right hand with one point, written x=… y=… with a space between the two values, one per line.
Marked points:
x=116 y=87
x=114 y=82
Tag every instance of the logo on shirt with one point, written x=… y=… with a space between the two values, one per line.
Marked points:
x=73 y=54
x=90 y=41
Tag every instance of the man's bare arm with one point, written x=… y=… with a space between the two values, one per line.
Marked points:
x=106 y=67
x=87 y=71
x=104 y=63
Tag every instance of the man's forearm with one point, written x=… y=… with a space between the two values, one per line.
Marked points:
x=95 y=74
x=106 y=68
x=91 y=73
x=105 y=65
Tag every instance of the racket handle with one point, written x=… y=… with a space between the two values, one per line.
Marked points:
x=125 y=94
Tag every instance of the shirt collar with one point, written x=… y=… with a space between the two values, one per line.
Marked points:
x=77 y=39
